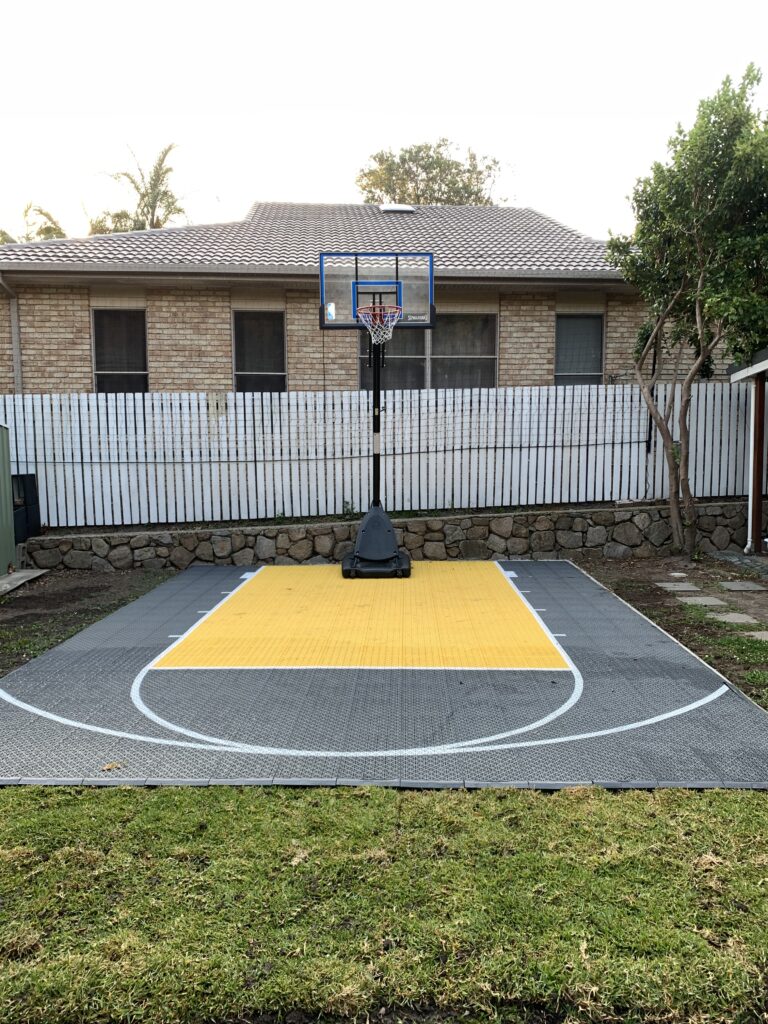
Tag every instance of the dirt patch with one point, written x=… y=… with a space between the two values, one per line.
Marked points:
x=47 y=610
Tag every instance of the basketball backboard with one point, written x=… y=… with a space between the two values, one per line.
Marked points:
x=352 y=279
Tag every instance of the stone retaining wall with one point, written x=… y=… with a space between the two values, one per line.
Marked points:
x=614 y=532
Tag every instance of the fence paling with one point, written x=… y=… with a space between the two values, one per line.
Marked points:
x=118 y=460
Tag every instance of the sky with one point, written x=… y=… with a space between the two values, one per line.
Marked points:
x=286 y=101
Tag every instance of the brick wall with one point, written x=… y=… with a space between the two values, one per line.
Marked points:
x=6 y=351
x=189 y=340
x=55 y=326
x=623 y=317
x=526 y=340
x=316 y=359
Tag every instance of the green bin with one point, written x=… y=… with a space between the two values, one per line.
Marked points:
x=7 y=543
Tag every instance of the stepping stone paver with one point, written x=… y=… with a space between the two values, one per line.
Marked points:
x=704 y=601
x=742 y=585
x=736 y=618
x=678 y=587
x=761 y=634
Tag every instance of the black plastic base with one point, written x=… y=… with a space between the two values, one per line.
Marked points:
x=365 y=569
x=376 y=554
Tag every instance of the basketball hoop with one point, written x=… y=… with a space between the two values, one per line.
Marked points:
x=380 y=321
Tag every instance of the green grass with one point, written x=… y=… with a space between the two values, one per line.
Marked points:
x=223 y=904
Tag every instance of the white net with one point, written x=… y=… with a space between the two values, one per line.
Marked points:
x=380 y=321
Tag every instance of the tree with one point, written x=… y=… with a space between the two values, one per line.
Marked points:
x=156 y=203
x=699 y=259
x=428 y=174
x=40 y=225
x=5 y=237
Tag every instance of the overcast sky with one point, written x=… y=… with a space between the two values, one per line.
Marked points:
x=285 y=101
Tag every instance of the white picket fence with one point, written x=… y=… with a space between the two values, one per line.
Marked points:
x=115 y=460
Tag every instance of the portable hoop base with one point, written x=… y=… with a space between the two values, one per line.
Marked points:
x=376 y=555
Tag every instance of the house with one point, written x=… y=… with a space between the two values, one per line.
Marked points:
x=521 y=300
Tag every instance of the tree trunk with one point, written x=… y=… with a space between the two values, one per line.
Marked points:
x=688 y=502
x=676 y=521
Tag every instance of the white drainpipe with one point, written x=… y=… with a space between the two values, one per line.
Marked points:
x=750 y=548
x=18 y=383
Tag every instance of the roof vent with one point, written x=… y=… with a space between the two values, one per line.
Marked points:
x=396 y=208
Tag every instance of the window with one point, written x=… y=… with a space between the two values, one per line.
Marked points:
x=459 y=352
x=259 y=351
x=120 y=350
x=579 y=350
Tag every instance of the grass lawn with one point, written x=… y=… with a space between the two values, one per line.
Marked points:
x=223 y=904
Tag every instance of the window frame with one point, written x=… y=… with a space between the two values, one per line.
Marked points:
x=117 y=373
x=235 y=372
x=592 y=315
x=428 y=356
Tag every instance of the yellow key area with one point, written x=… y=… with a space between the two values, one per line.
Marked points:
x=462 y=615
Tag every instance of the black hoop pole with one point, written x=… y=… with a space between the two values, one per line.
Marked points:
x=376 y=424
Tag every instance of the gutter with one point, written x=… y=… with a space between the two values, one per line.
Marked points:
x=18 y=383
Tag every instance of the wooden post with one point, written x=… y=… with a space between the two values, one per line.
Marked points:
x=758 y=465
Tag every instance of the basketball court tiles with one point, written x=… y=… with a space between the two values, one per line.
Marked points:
x=467 y=674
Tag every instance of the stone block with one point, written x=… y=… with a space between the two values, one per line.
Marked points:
x=659 y=533
x=244 y=556
x=283 y=542
x=435 y=550
x=46 y=559
x=517 y=545
x=163 y=538
x=564 y=522
x=122 y=557
x=434 y=535
x=453 y=534
x=153 y=563
x=296 y=533
x=99 y=564
x=180 y=557
x=434 y=525
x=739 y=537
x=602 y=517
x=140 y=540
x=188 y=541
x=204 y=551
x=579 y=524
x=543 y=523
x=543 y=540
x=497 y=544
x=477 y=533
x=317 y=560
x=570 y=539
x=622 y=517
x=265 y=548
x=324 y=544
x=162 y=552
x=596 y=536
x=142 y=554
x=99 y=547
x=344 y=547
x=627 y=533
x=613 y=550
x=285 y=560
x=473 y=548
x=417 y=526
x=222 y=545
x=238 y=541
x=520 y=530
x=721 y=538
x=502 y=526
x=81 y=543
x=301 y=550
x=642 y=521
x=412 y=541
x=77 y=559
x=706 y=523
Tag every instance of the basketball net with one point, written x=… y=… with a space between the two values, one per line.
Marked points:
x=380 y=321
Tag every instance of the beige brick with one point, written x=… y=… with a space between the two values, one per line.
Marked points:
x=316 y=359
x=189 y=339
x=526 y=340
x=6 y=351
x=55 y=328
